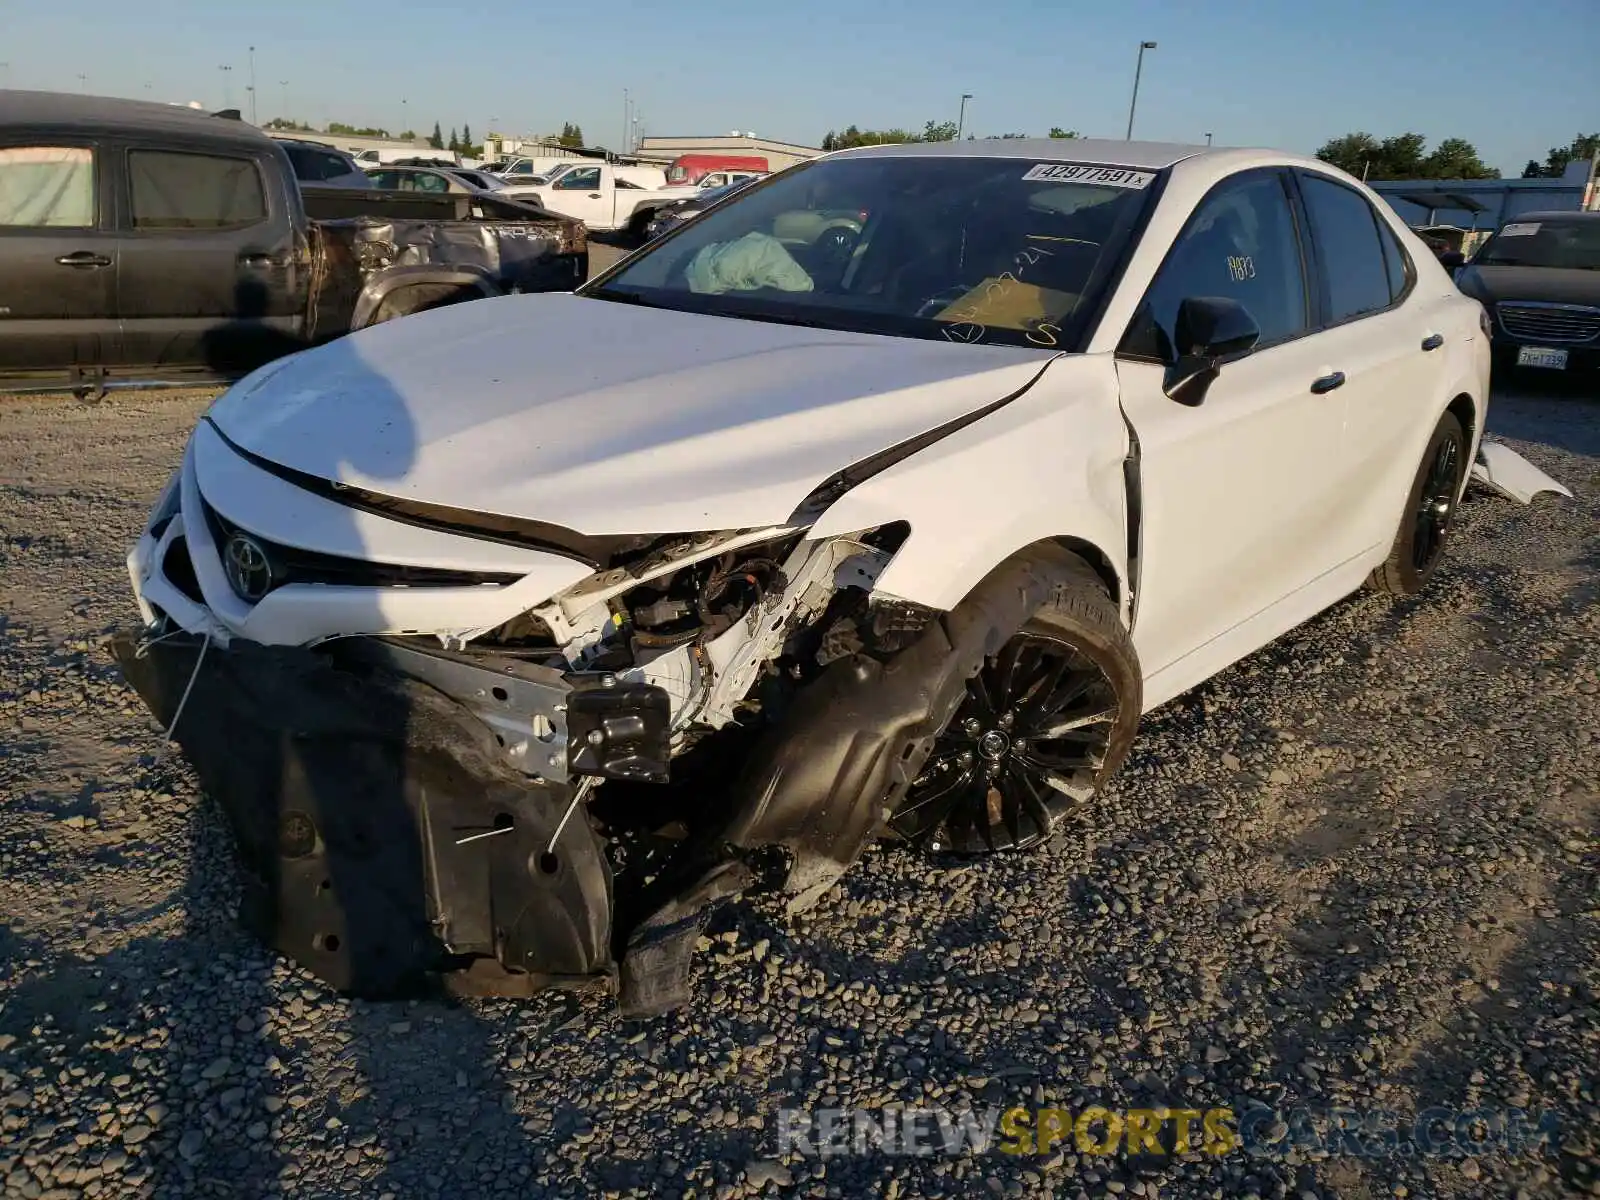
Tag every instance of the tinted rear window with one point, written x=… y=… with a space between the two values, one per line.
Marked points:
x=194 y=191
x=1346 y=232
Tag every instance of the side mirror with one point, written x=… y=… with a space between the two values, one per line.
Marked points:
x=1208 y=331
x=1452 y=260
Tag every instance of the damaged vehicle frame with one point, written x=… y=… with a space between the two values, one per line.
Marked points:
x=819 y=541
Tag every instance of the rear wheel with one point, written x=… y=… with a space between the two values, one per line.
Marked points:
x=1430 y=510
x=1045 y=723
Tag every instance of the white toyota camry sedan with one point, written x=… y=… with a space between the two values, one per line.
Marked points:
x=880 y=500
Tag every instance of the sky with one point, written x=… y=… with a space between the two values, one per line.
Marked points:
x=1512 y=78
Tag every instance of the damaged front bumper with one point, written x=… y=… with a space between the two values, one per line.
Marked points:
x=384 y=836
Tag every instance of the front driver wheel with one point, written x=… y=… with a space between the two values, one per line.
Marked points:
x=1045 y=724
x=1430 y=509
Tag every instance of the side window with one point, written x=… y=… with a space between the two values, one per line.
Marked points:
x=387 y=180
x=1401 y=272
x=334 y=167
x=1241 y=244
x=1345 y=230
x=47 y=187
x=194 y=191
x=580 y=179
x=522 y=168
x=429 y=182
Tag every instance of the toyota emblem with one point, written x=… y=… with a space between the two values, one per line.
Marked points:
x=247 y=567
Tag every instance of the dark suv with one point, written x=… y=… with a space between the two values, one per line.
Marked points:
x=1539 y=277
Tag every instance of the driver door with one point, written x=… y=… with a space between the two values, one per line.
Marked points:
x=584 y=194
x=1236 y=493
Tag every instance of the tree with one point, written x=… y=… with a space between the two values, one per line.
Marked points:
x=1456 y=158
x=454 y=144
x=1583 y=146
x=467 y=147
x=436 y=140
x=1402 y=157
x=571 y=136
x=939 y=131
x=410 y=135
x=1057 y=132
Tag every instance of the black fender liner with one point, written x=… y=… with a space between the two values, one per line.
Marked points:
x=380 y=836
x=385 y=283
x=823 y=782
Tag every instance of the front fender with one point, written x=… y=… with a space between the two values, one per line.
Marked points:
x=1048 y=466
x=392 y=279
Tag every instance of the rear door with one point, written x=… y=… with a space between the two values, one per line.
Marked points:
x=207 y=274
x=1378 y=336
x=58 y=257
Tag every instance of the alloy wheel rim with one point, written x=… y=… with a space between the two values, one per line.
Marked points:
x=1435 y=505
x=1026 y=745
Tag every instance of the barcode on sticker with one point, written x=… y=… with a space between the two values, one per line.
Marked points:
x=1088 y=173
x=1520 y=229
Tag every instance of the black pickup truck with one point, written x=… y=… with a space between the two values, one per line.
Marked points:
x=152 y=242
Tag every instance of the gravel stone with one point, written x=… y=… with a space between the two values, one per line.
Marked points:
x=1355 y=870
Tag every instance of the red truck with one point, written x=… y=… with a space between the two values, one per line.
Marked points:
x=688 y=169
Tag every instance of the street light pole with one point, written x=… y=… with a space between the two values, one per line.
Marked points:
x=283 y=88
x=83 y=81
x=627 y=115
x=252 y=85
x=1137 y=68
x=961 y=120
x=1208 y=139
x=227 y=90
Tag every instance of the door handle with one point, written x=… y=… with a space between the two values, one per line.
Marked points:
x=1433 y=341
x=1327 y=383
x=594 y=195
x=84 y=258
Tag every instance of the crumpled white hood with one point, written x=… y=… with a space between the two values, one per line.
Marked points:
x=603 y=417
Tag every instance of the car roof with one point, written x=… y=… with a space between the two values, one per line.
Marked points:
x=94 y=114
x=1148 y=155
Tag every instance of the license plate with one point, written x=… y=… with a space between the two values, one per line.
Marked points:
x=1538 y=356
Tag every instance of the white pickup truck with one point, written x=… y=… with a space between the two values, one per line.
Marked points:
x=604 y=197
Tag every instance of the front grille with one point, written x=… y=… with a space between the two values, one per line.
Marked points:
x=293 y=565
x=1550 y=323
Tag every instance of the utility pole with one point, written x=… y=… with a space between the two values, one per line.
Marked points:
x=961 y=118
x=252 y=85
x=1138 y=67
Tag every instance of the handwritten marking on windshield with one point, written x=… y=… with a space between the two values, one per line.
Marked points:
x=966 y=328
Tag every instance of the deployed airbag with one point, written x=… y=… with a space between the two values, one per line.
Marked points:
x=753 y=262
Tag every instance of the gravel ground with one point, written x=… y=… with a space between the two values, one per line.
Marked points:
x=1357 y=869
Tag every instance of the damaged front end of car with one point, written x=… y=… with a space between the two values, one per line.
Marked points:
x=545 y=794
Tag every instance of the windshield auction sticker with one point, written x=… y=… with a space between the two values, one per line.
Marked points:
x=1088 y=173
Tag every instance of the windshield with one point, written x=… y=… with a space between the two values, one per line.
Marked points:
x=977 y=250
x=1573 y=243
